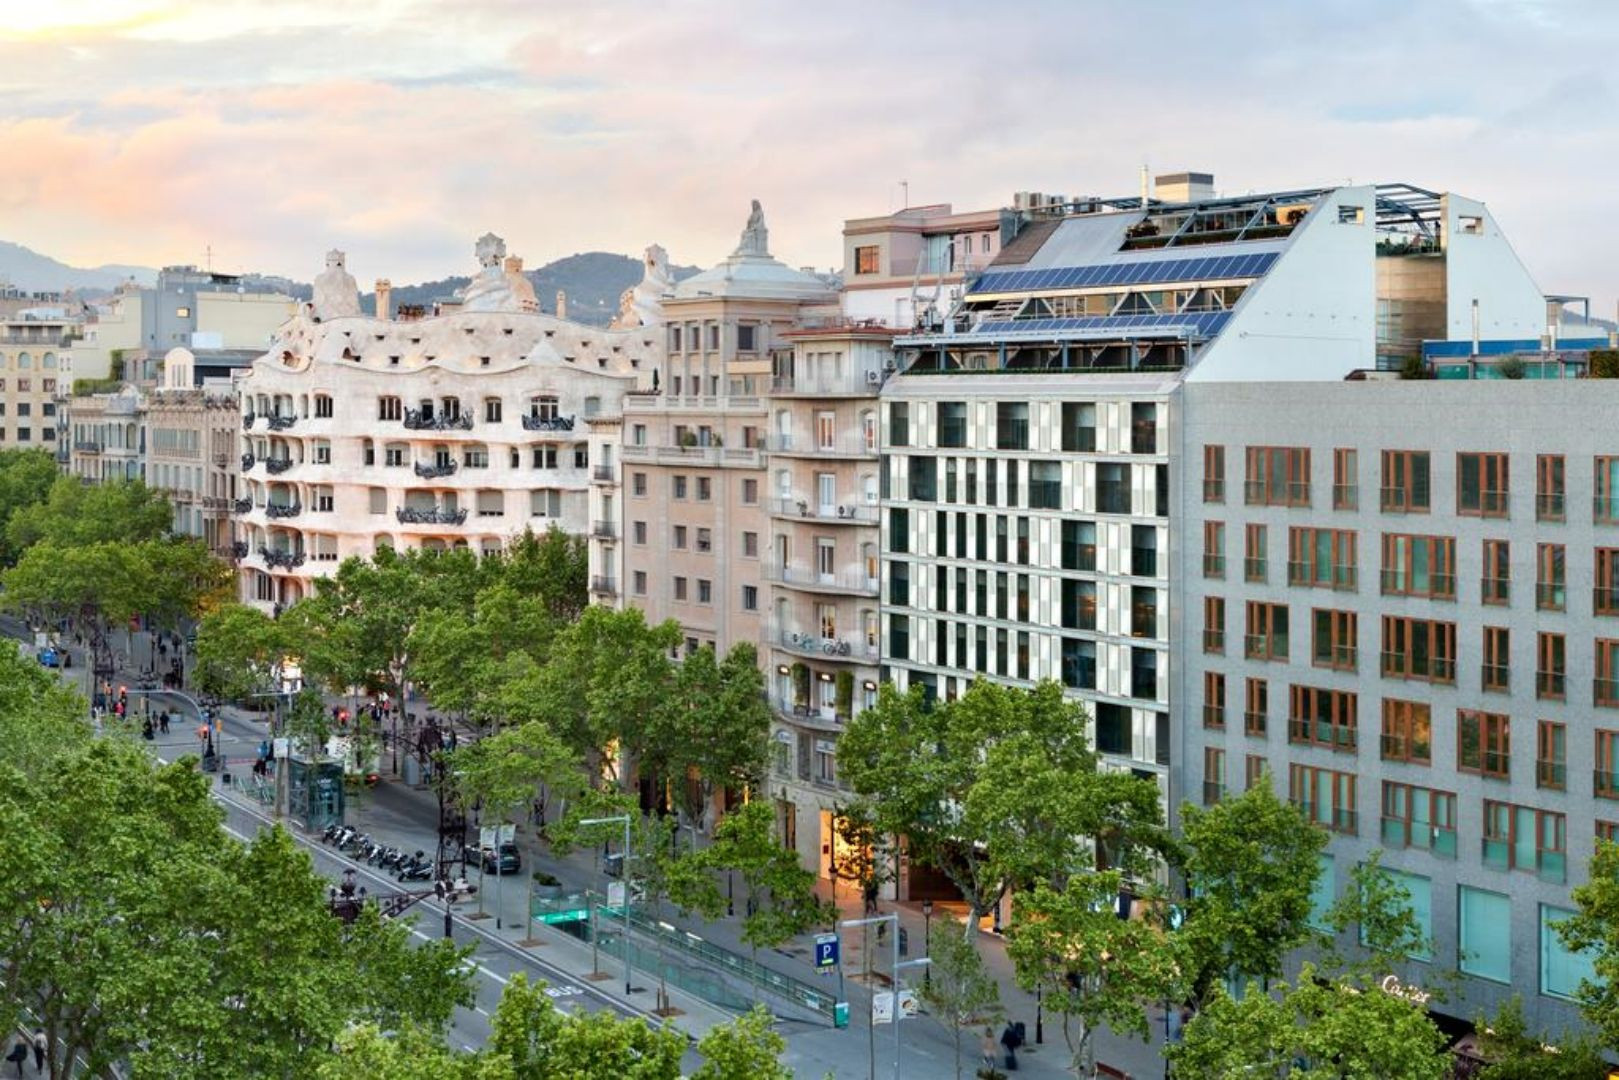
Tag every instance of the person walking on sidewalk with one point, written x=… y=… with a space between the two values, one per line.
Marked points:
x=18 y=1055
x=987 y=1046
x=41 y=1044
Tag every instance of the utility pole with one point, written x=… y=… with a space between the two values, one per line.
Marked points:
x=624 y=878
x=897 y=966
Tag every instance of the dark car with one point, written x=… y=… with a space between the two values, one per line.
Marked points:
x=508 y=861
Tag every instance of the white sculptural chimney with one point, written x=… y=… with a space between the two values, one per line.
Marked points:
x=385 y=290
x=562 y=304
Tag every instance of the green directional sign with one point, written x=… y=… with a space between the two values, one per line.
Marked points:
x=840 y=1014
x=551 y=918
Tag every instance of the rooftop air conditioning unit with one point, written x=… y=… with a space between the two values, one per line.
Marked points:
x=874 y=378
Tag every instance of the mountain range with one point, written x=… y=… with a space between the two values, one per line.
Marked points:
x=32 y=272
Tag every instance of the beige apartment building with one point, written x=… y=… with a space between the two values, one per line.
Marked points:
x=695 y=486
x=906 y=268
x=191 y=451
x=34 y=344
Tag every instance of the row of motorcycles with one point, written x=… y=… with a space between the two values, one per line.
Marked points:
x=393 y=860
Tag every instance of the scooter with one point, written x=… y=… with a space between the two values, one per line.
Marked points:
x=420 y=868
x=342 y=837
x=355 y=843
x=391 y=859
x=332 y=829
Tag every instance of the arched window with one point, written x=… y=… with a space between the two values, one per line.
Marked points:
x=24 y=361
x=48 y=361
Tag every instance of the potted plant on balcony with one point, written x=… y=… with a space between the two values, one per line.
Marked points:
x=688 y=439
x=845 y=694
x=801 y=685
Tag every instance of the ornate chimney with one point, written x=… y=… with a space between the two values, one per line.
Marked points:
x=385 y=290
x=562 y=304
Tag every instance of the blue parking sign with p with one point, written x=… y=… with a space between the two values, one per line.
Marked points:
x=826 y=951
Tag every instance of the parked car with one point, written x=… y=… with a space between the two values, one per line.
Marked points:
x=51 y=657
x=508 y=861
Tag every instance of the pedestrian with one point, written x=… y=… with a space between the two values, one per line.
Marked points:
x=1009 y=1041
x=18 y=1055
x=163 y=721
x=987 y=1046
x=870 y=894
x=41 y=1044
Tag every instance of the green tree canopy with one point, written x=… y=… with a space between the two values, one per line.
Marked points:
x=26 y=480
x=77 y=515
x=1594 y=928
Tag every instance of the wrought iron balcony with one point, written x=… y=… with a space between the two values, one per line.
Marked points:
x=248 y=461
x=236 y=550
x=604 y=530
x=247 y=421
x=274 y=466
x=431 y=515
x=244 y=506
x=433 y=472
x=604 y=474
x=286 y=560
x=287 y=510
x=282 y=423
x=87 y=446
x=548 y=423
x=415 y=421
x=604 y=585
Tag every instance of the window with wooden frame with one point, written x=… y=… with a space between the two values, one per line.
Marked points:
x=1495 y=675
x=1213 y=775
x=1267 y=631
x=1416 y=565
x=1483 y=743
x=1551 y=588
x=1607 y=830
x=1419 y=817
x=1326 y=796
x=1605 y=590
x=1214 y=624
x=1481 y=485
x=1345 y=479
x=1323 y=558
x=1256 y=707
x=1214 y=549
x=1213 y=473
x=1405 y=482
x=1277 y=476
x=1524 y=838
x=1255 y=550
x=1605 y=776
x=1321 y=717
x=1333 y=637
x=1253 y=771
x=1214 y=700
x=1551 y=755
x=1605 y=485
x=1549 y=494
x=1496 y=581
x=1423 y=649
x=1407 y=731
x=1550 y=666
x=1605 y=687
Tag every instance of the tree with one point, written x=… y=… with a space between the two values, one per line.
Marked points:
x=1594 y=929
x=79 y=515
x=1250 y=865
x=540 y=1043
x=744 y=1049
x=1516 y=1053
x=958 y=989
x=1378 y=909
x=856 y=857
x=239 y=649
x=98 y=585
x=26 y=480
x=780 y=894
x=1314 y=1029
x=553 y=567
x=1093 y=967
x=713 y=732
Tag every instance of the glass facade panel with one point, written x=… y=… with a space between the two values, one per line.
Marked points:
x=1561 y=971
x=1484 y=934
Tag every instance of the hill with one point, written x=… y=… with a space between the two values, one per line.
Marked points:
x=32 y=272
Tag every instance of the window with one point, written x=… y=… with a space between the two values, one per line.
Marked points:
x=1256 y=707
x=866 y=259
x=1419 y=817
x=1605 y=503
x=1214 y=624
x=1045 y=485
x=1213 y=474
x=179 y=313
x=1550 y=669
x=1213 y=549
x=1213 y=775
x=491 y=503
x=1278 y=476
x=1323 y=718
x=1407 y=731
x=1012 y=425
x=1143 y=549
x=1419 y=566
x=1078 y=605
x=323 y=499
x=323 y=406
x=1484 y=934
x=680 y=588
x=1327 y=797
x=1112 y=488
x=1561 y=970
x=1551 y=593
x=1345 y=479
x=705 y=489
x=638 y=532
x=1605 y=593
x=1324 y=558
x=677 y=487
x=1256 y=545
x=491 y=410
x=581 y=456
x=545 y=457
x=1497 y=670
x=378 y=498
x=747 y=337
x=705 y=540
x=1214 y=700
x=1078 y=663
x=952 y=424
x=389 y=408
x=679 y=541
x=750 y=598
x=1524 y=838
x=1253 y=771
x=1497 y=579
x=475 y=456
x=899 y=425
x=1143 y=427
x=543 y=407
x=1551 y=755
x=750 y=492
x=1549 y=494
x=1267 y=631
x=1605 y=687
x=545 y=502
x=639 y=582
x=750 y=545
x=1078 y=544
x=1483 y=743
x=1079 y=427
x=1405 y=482
x=393 y=455
x=1481 y=485
x=1333 y=639
x=705 y=591
x=638 y=484
x=1605 y=775
x=1422 y=649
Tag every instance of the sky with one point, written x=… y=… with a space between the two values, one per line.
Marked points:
x=153 y=131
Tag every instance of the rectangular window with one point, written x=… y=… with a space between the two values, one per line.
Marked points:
x=1322 y=718
x=1214 y=700
x=899 y=424
x=1551 y=755
x=1550 y=666
x=750 y=549
x=1551 y=589
x=1213 y=775
x=1496 y=673
x=1484 y=934
x=750 y=492
x=491 y=410
x=952 y=424
x=1422 y=649
x=1323 y=558
x=1266 y=638
x=1143 y=427
x=1214 y=549
x=1078 y=544
x=1214 y=624
x=1012 y=425
x=1333 y=639
x=1419 y=566
x=1549 y=494
x=1253 y=771
x=1605 y=775
x=1496 y=582
x=1326 y=797
x=1277 y=476
x=750 y=598
x=705 y=489
x=705 y=540
x=1481 y=485
x=1112 y=488
x=1045 y=485
x=705 y=591
x=1345 y=479
x=1078 y=605
x=1256 y=707
x=1605 y=592
x=1213 y=474
x=1561 y=970
x=1255 y=551
x=1419 y=817
x=1483 y=743
x=1605 y=503
x=1407 y=731
x=867 y=259
x=1405 y=482
x=1079 y=427
x=1524 y=838
x=389 y=408
x=1605 y=687
x=677 y=486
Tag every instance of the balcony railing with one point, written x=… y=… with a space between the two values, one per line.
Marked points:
x=1288 y=493
x=859 y=382
x=282 y=510
x=604 y=585
x=604 y=530
x=548 y=423
x=1338 y=657
x=1214 y=566
x=1550 y=684
x=1605 y=508
x=87 y=446
x=247 y=421
x=844 y=446
x=1605 y=692
x=1253 y=569
x=415 y=421
x=1605 y=600
x=1495 y=676
x=276 y=466
x=1213 y=792
x=1550 y=507
x=1214 y=641
x=1399 y=500
x=1314 y=575
x=1405 y=583
x=604 y=474
x=434 y=471
x=429 y=515
x=1214 y=491
x=220 y=460
x=235 y=550
x=248 y=461
x=835 y=648
x=1346 y=496
x=285 y=560
x=282 y=423
x=1254 y=723
x=1605 y=783
x=1405 y=748
x=804 y=508
x=244 y=506
x=811 y=579
x=1434 y=669
x=1551 y=774
x=1397 y=832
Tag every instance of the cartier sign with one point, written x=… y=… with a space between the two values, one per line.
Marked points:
x=1392 y=986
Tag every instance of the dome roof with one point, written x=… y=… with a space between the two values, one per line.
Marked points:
x=751 y=272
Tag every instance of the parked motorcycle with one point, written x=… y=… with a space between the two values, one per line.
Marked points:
x=331 y=831
x=420 y=868
x=391 y=859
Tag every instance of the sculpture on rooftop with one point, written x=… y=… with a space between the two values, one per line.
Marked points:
x=335 y=295
x=755 y=236
x=492 y=288
x=643 y=305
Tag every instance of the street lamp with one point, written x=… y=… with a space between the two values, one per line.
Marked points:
x=621 y=819
x=896 y=968
x=927 y=939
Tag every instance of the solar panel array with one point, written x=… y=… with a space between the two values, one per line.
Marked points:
x=1202 y=323
x=1206 y=268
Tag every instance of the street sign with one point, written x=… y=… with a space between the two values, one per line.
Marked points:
x=840 y=1014
x=552 y=918
x=826 y=951
x=615 y=894
x=882 y=1006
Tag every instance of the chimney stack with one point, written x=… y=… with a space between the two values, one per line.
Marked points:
x=562 y=304
x=385 y=290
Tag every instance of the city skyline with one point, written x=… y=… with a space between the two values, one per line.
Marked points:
x=141 y=130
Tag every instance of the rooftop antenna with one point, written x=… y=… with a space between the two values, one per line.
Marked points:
x=1143 y=185
x=905 y=194
x=208 y=257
